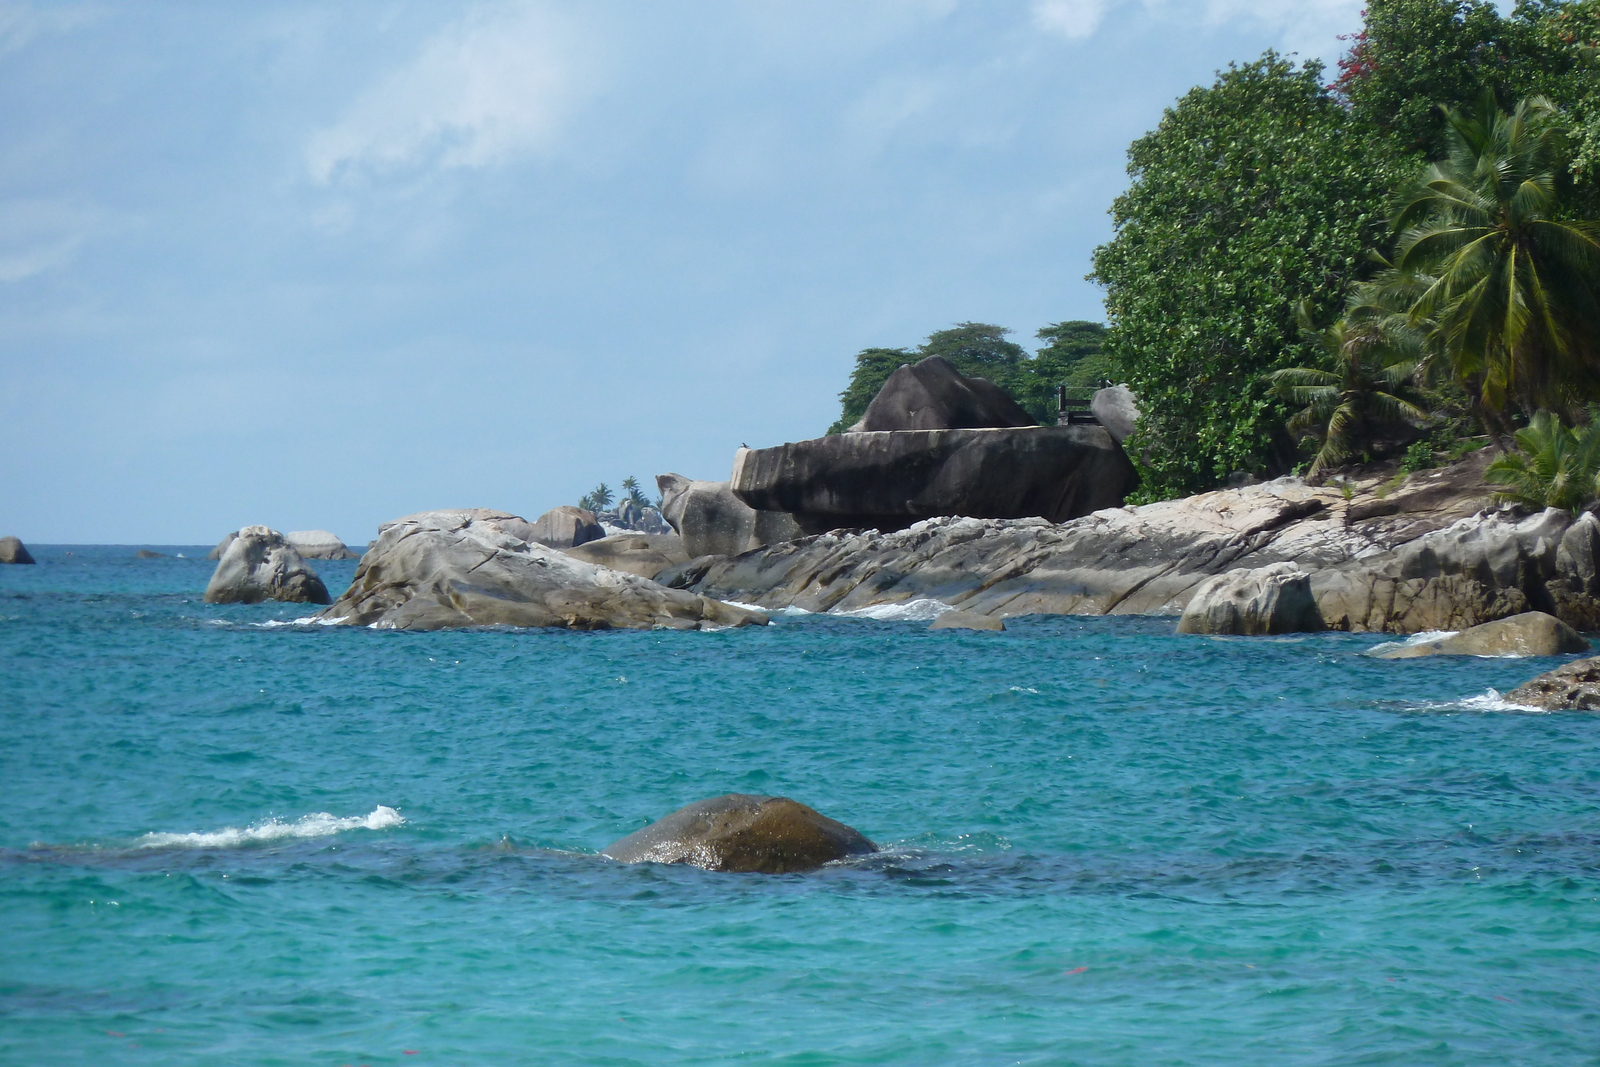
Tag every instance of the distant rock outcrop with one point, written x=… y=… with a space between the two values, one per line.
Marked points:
x=566 y=527
x=145 y=553
x=933 y=395
x=740 y=832
x=888 y=481
x=1275 y=599
x=318 y=544
x=646 y=555
x=1572 y=687
x=479 y=567
x=14 y=551
x=221 y=546
x=1533 y=633
x=714 y=522
x=260 y=564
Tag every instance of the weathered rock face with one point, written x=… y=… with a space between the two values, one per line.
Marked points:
x=714 y=522
x=1117 y=410
x=442 y=569
x=1268 y=600
x=933 y=395
x=566 y=527
x=222 y=546
x=966 y=620
x=14 y=551
x=260 y=564
x=646 y=555
x=318 y=544
x=740 y=832
x=888 y=481
x=1146 y=560
x=1572 y=687
x=1533 y=633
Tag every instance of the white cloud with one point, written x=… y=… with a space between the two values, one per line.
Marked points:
x=495 y=84
x=39 y=235
x=1073 y=19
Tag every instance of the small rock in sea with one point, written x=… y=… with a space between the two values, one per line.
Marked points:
x=1267 y=600
x=14 y=551
x=741 y=832
x=1533 y=633
x=260 y=564
x=966 y=620
x=145 y=553
x=1572 y=687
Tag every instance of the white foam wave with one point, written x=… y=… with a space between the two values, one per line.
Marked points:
x=320 y=824
x=1411 y=642
x=304 y=620
x=784 y=612
x=922 y=610
x=1488 y=700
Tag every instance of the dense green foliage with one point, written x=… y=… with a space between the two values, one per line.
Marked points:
x=1268 y=190
x=1555 y=466
x=1072 y=355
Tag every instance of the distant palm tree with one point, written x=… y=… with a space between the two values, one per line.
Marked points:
x=631 y=484
x=601 y=495
x=1555 y=467
x=1375 y=359
x=1512 y=289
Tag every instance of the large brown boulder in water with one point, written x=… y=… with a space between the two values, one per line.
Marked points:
x=741 y=832
x=13 y=550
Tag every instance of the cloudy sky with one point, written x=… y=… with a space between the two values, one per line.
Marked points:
x=319 y=264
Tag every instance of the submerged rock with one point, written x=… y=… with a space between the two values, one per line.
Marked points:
x=714 y=522
x=1572 y=687
x=646 y=555
x=477 y=567
x=318 y=544
x=14 y=551
x=1533 y=633
x=566 y=527
x=1267 y=600
x=888 y=481
x=741 y=832
x=966 y=620
x=260 y=564
x=933 y=395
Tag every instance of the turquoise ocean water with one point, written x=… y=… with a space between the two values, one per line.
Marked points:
x=226 y=838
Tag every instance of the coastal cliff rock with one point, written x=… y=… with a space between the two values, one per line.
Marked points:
x=318 y=544
x=13 y=550
x=714 y=522
x=566 y=527
x=1572 y=687
x=478 y=567
x=741 y=832
x=646 y=555
x=260 y=564
x=888 y=481
x=933 y=395
x=1267 y=600
x=1149 y=560
x=1533 y=633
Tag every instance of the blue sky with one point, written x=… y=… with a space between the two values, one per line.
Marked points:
x=320 y=264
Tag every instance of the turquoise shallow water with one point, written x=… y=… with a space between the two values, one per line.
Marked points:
x=1105 y=844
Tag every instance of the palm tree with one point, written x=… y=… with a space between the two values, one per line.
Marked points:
x=1512 y=290
x=1556 y=467
x=631 y=484
x=1374 y=358
x=601 y=495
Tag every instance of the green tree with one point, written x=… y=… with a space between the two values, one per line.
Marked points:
x=601 y=496
x=630 y=485
x=1554 y=466
x=1512 y=289
x=1251 y=196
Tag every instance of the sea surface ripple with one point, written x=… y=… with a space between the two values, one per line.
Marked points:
x=230 y=837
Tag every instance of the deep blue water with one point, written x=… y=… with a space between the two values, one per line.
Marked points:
x=1105 y=844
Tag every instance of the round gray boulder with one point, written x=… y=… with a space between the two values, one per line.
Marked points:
x=1267 y=600
x=13 y=551
x=741 y=832
x=318 y=544
x=260 y=564
x=1533 y=633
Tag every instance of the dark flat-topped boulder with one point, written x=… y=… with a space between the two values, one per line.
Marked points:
x=887 y=481
x=741 y=832
x=933 y=395
x=13 y=551
x=260 y=564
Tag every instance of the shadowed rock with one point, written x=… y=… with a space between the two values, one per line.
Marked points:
x=13 y=551
x=566 y=527
x=1267 y=600
x=714 y=522
x=1115 y=408
x=1533 y=633
x=1573 y=687
x=933 y=395
x=646 y=555
x=741 y=832
x=145 y=553
x=477 y=567
x=260 y=564
x=221 y=546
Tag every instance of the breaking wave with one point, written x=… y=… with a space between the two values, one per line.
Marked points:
x=922 y=610
x=320 y=824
